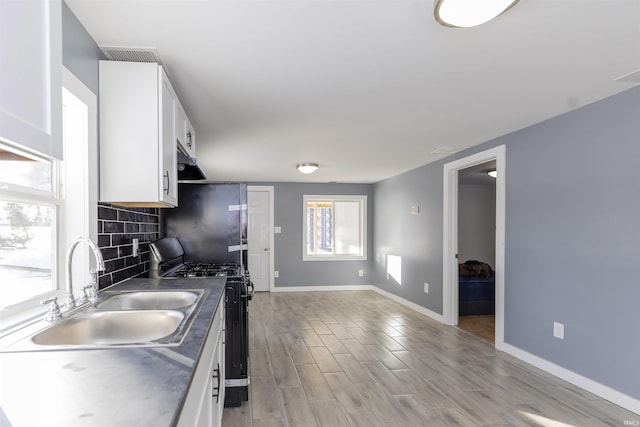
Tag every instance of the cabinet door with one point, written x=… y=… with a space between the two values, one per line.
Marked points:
x=217 y=385
x=31 y=74
x=181 y=127
x=190 y=139
x=168 y=161
x=184 y=132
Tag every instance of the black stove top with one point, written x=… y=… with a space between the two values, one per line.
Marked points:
x=206 y=270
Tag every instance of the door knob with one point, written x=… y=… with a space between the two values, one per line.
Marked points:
x=266 y=249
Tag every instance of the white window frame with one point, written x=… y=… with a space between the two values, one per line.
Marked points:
x=84 y=159
x=17 y=315
x=362 y=200
x=28 y=308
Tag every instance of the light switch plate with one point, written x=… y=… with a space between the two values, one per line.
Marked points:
x=276 y=274
x=277 y=230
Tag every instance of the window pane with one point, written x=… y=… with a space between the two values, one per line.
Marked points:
x=324 y=230
x=334 y=228
x=311 y=226
x=18 y=169
x=347 y=224
x=26 y=257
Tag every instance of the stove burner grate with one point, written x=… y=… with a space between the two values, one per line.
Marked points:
x=207 y=270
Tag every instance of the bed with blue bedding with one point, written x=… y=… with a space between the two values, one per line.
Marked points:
x=476 y=289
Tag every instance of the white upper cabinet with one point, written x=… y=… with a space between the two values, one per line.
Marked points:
x=138 y=165
x=191 y=139
x=184 y=132
x=31 y=74
x=181 y=127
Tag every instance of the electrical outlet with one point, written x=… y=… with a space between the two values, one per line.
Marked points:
x=277 y=230
x=136 y=247
x=426 y=288
x=558 y=330
x=360 y=273
x=276 y=274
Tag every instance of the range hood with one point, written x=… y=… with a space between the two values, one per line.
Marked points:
x=188 y=169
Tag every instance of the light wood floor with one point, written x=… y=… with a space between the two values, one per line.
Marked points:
x=355 y=358
x=482 y=326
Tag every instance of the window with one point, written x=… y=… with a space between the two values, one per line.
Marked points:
x=335 y=228
x=44 y=205
x=29 y=207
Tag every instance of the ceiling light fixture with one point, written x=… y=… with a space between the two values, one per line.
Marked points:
x=307 y=168
x=493 y=174
x=469 y=13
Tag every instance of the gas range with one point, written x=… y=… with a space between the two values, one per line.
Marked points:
x=166 y=260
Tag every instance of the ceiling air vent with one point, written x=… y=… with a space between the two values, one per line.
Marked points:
x=632 y=77
x=445 y=150
x=131 y=54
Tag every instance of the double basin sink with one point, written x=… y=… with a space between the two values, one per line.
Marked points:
x=127 y=318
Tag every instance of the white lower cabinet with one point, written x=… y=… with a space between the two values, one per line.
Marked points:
x=205 y=399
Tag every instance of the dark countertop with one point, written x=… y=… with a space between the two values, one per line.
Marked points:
x=132 y=386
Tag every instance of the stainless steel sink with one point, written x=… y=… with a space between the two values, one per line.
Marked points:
x=133 y=318
x=150 y=300
x=106 y=328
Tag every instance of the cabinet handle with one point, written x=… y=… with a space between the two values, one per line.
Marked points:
x=166 y=175
x=189 y=138
x=216 y=390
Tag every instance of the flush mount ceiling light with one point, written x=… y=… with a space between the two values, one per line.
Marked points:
x=307 y=168
x=493 y=174
x=469 y=13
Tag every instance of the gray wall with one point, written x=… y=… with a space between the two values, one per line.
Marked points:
x=477 y=223
x=80 y=54
x=417 y=239
x=116 y=226
x=288 y=214
x=572 y=238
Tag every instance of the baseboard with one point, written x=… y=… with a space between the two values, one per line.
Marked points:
x=322 y=288
x=607 y=393
x=420 y=309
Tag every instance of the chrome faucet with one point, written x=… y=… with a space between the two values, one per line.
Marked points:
x=70 y=301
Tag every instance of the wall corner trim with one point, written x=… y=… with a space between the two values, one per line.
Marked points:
x=603 y=391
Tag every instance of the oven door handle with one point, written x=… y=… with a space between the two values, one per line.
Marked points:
x=249 y=294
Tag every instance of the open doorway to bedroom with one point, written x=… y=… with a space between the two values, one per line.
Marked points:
x=477 y=249
x=451 y=251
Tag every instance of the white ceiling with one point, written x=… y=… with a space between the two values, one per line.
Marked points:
x=367 y=89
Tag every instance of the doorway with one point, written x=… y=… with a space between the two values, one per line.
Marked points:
x=450 y=237
x=476 y=249
x=260 y=200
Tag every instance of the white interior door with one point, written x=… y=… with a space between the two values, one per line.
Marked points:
x=260 y=236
